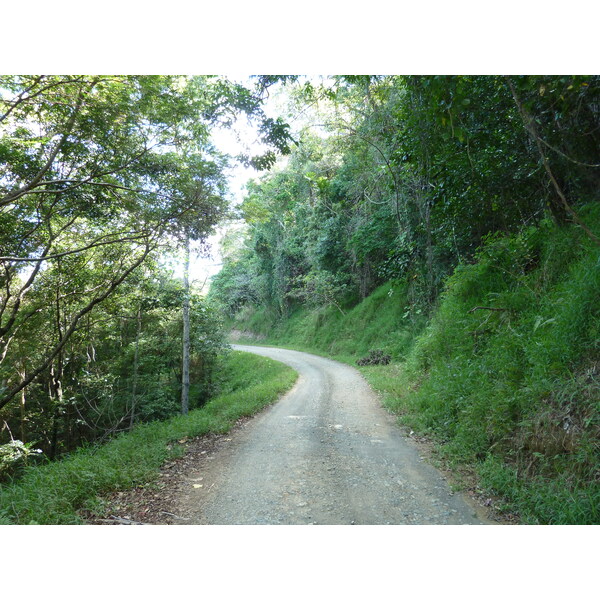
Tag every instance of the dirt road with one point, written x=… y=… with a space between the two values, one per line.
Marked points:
x=326 y=453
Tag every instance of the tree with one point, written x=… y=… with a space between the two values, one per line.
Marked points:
x=99 y=173
x=185 y=370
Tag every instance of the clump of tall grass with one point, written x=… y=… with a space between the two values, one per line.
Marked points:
x=509 y=371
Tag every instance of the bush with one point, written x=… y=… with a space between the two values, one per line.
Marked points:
x=508 y=370
x=14 y=456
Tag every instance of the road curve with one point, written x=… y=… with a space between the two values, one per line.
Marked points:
x=326 y=453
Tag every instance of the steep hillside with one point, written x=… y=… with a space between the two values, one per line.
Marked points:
x=382 y=320
x=504 y=375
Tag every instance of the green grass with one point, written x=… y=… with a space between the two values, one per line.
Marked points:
x=514 y=393
x=383 y=320
x=55 y=492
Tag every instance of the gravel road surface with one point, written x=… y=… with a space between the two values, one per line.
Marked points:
x=326 y=453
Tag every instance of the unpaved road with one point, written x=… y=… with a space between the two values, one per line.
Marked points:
x=326 y=453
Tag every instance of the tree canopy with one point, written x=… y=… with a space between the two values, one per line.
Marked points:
x=98 y=176
x=412 y=174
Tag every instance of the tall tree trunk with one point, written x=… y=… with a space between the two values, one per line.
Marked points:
x=56 y=373
x=429 y=251
x=185 y=377
x=135 y=367
x=55 y=392
x=23 y=374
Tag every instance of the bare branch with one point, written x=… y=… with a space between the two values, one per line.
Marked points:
x=486 y=308
x=581 y=164
x=93 y=244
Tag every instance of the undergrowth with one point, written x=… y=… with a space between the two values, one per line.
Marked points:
x=383 y=320
x=55 y=493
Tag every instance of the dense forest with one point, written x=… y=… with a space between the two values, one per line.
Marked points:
x=445 y=227
x=411 y=176
x=451 y=225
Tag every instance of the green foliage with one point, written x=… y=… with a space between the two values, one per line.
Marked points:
x=14 y=455
x=98 y=176
x=99 y=172
x=383 y=320
x=540 y=500
x=519 y=384
x=416 y=173
x=124 y=366
x=432 y=222
x=235 y=286
x=55 y=493
x=505 y=375
x=456 y=192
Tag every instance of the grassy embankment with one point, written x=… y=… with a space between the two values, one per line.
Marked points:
x=54 y=493
x=504 y=376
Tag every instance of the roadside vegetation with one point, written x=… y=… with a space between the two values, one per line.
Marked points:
x=56 y=493
x=451 y=224
x=504 y=376
x=104 y=181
